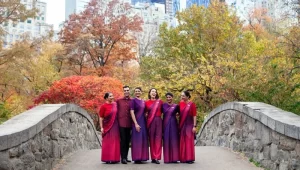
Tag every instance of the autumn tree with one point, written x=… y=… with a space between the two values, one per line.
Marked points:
x=190 y=56
x=30 y=70
x=213 y=56
x=14 y=11
x=85 y=91
x=100 y=36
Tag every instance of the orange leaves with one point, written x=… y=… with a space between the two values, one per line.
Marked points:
x=85 y=91
x=100 y=36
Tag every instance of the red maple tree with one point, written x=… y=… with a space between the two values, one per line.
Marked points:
x=100 y=36
x=85 y=91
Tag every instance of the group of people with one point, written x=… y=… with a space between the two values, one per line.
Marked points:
x=140 y=122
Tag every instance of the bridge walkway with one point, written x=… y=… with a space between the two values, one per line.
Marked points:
x=207 y=158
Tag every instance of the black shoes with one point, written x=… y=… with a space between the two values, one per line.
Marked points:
x=190 y=162
x=124 y=161
x=138 y=162
x=111 y=162
x=155 y=161
x=128 y=160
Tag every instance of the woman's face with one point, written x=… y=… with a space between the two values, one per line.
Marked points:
x=153 y=93
x=137 y=93
x=110 y=97
x=169 y=99
x=184 y=97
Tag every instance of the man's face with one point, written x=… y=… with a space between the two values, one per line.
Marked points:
x=126 y=91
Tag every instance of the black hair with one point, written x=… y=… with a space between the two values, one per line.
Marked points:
x=156 y=97
x=187 y=94
x=169 y=94
x=125 y=87
x=106 y=95
x=138 y=88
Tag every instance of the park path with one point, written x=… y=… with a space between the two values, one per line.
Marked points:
x=207 y=158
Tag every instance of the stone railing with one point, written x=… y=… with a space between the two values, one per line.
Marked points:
x=40 y=137
x=268 y=135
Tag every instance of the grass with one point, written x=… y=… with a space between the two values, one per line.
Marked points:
x=257 y=164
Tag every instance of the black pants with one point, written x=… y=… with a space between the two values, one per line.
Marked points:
x=125 y=134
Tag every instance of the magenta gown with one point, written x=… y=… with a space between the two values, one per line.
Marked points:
x=187 y=148
x=139 y=140
x=154 y=125
x=170 y=133
x=110 y=136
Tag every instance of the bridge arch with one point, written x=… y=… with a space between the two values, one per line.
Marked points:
x=40 y=137
x=260 y=131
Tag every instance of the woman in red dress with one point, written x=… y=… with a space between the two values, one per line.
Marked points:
x=154 y=124
x=110 y=131
x=187 y=128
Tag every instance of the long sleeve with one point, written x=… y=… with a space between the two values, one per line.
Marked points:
x=102 y=111
x=193 y=109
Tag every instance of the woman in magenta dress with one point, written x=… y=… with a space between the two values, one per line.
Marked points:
x=154 y=124
x=139 y=140
x=170 y=130
x=110 y=131
x=187 y=128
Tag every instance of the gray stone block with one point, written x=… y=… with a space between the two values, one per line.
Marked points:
x=264 y=119
x=291 y=131
x=274 y=152
x=41 y=125
x=17 y=164
x=3 y=142
x=283 y=166
x=271 y=123
x=5 y=163
x=17 y=138
x=279 y=127
x=287 y=143
x=266 y=140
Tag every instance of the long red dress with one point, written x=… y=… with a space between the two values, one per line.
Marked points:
x=154 y=125
x=110 y=136
x=187 y=148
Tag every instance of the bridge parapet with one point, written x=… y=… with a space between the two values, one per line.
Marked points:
x=40 y=137
x=262 y=132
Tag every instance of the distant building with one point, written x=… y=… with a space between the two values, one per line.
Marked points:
x=32 y=27
x=153 y=15
x=74 y=7
x=189 y=3
x=281 y=11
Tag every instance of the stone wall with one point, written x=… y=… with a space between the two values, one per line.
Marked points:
x=40 y=137
x=262 y=132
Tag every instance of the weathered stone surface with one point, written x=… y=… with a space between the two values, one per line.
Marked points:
x=17 y=164
x=274 y=152
x=266 y=152
x=5 y=163
x=55 y=134
x=62 y=135
x=287 y=143
x=275 y=137
x=295 y=164
x=38 y=156
x=13 y=152
x=283 y=166
x=297 y=148
x=262 y=134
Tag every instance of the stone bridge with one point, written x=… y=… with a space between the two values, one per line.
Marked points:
x=63 y=137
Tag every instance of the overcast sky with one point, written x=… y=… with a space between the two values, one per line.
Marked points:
x=55 y=12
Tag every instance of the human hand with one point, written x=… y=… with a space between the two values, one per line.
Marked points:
x=137 y=127
x=194 y=129
x=101 y=130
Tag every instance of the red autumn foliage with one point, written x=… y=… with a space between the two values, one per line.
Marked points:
x=85 y=91
x=100 y=36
